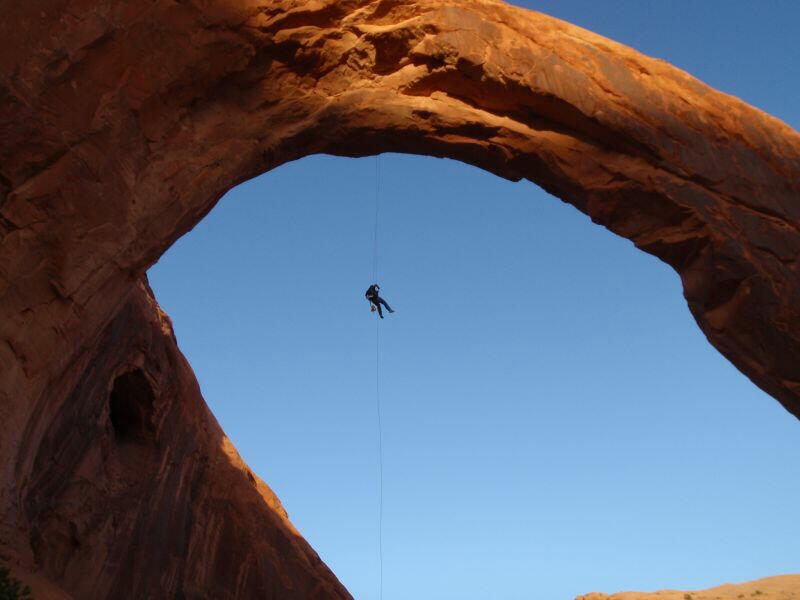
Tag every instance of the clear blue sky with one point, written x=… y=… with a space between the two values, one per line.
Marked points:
x=554 y=421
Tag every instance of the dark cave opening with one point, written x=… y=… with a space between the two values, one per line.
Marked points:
x=131 y=407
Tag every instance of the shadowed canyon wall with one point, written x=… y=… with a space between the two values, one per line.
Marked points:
x=122 y=123
x=131 y=490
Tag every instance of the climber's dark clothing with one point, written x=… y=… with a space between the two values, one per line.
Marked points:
x=377 y=301
x=374 y=298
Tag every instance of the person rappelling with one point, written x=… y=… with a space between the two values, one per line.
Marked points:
x=375 y=299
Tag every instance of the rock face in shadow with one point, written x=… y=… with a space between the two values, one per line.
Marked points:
x=122 y=123
x=132 y=490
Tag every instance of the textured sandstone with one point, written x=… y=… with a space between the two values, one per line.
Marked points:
x=784 y=587
x=123 y=122
x=135 y=492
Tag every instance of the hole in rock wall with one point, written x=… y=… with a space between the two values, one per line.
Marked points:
x=131 y=407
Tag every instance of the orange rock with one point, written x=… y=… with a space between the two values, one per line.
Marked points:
x=121 y=125
x=783 y=587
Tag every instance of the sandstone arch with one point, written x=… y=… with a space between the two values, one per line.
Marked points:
x=128 y=122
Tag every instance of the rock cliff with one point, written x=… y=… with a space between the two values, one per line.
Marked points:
x=130 y=489
x=122 y=123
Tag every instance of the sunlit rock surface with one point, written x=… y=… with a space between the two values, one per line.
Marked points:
x=122 y=123
x=785 y=587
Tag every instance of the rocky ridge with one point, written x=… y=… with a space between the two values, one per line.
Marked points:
x=782 y=587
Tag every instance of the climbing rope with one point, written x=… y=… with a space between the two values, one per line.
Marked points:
x=378 y=378
x=377 y=209
x=380 y=453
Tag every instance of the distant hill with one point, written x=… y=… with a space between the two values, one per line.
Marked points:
x=782 y=587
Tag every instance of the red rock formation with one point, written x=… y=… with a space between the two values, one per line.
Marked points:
x=785 y=587
x=132 y=490
x=122 y=123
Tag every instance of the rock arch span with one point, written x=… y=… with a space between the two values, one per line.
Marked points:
x=122 y=123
